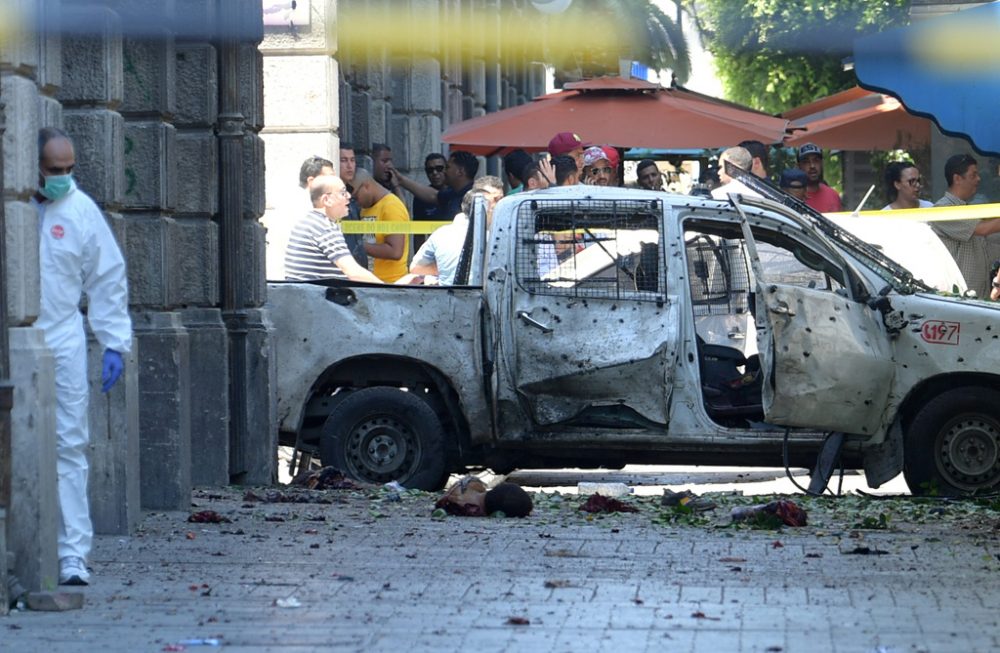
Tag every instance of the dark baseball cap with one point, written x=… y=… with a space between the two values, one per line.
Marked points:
x=793 y=178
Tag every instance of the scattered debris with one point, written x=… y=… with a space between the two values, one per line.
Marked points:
x=701 y=615
x=212 y=641
x=466 y=498
x=518 y=621
x=328 y=478
x=763 y=514
x=601 y=503
x=687 y=501
x=208 y=517
x=865 y=551
x=288 y=602
x=295 y=496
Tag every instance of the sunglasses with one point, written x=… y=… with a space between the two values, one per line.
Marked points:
x=433 y=169
x=916 y=181
x=600 y=171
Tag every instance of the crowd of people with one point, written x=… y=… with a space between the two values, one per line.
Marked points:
x=318 y=247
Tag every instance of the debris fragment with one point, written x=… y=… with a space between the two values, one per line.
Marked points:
x=518 y=621
x=865 y=551
x=686 y=499
x=601 y=503
x=701 y=615
x=328 y=478
x=288 y=602
x=763 y=514
x=556 y=584
x=208 y=517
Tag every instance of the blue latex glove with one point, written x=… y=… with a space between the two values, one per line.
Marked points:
x=111 y=369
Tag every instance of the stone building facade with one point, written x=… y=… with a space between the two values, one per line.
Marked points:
x=164 y=100
x=401 y=94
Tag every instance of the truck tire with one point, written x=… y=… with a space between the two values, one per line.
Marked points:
x=383 y=434
x=952 y=447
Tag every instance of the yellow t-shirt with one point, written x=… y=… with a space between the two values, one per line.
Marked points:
x=389 y=209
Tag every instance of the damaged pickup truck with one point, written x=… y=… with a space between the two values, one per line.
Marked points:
x=596 y=327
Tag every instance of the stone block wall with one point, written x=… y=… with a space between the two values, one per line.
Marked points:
x=139 y=92
x=405 y=95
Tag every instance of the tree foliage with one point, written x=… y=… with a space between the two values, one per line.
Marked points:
x=777 y=54
x=632 y=29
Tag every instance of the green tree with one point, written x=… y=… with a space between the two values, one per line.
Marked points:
x=777 y=54
x=634 y=29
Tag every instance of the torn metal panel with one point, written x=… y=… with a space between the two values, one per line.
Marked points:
x=832 y=365
x=592 y=352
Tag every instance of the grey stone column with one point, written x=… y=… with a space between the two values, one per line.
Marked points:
x=209 y=396
x=34 y=516
x=164 y=389
x=113 y=484
x=31 y=68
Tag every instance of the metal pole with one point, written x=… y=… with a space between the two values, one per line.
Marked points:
x=230 y=133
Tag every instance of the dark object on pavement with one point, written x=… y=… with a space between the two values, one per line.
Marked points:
x=789 y=513
x=466 y=498
x=601 y=503
x=328 y=478
x=208 y=517
x=865 y=551
x=686 y=499
x=53 y=601
x=510 y=499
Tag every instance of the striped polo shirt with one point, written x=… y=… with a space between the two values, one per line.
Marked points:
x=314 y=246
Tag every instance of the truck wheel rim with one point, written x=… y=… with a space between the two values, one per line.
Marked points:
x=969 y=453
x=381 y=449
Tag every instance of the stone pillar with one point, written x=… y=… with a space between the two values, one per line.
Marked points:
x=113 y=483
x=31 y=68
x=34 y=516
x=209 y=396
x=164 y=389
x=301 y=118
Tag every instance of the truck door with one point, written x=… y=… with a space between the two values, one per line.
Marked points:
x=826 y=360
x=587 y=333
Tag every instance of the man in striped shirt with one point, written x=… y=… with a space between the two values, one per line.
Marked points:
x=316 y=247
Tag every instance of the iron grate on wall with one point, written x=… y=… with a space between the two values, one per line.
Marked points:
x=608 y=249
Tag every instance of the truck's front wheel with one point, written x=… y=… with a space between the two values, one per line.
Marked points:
x=382 y=434
x=952 y=447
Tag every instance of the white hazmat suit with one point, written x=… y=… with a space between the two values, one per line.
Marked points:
x=78 y=254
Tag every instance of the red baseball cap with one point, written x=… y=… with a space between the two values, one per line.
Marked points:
x=612 y=155
x=565 y=142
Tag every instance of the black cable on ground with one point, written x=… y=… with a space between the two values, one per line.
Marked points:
x=788 y=471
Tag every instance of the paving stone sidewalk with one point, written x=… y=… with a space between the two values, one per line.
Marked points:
x=374 y=571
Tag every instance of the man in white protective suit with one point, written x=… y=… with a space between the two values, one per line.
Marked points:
x=78 y=254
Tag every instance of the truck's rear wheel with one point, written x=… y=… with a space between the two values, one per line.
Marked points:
x=952 y=447
x=382 y=434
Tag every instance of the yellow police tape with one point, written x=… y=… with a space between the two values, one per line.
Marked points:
x=935 y=214
x=372 y=227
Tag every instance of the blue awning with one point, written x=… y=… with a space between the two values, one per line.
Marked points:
x=946 y=69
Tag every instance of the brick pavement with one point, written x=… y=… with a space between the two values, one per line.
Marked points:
x=372 y=574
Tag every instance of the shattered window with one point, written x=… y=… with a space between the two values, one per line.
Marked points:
x=609 y=248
